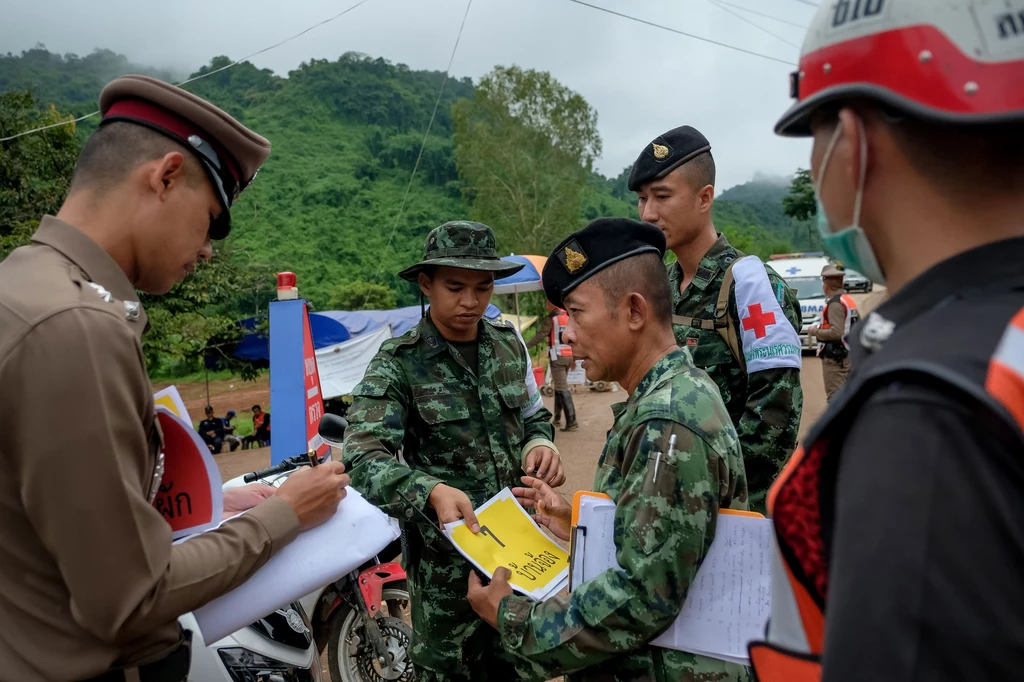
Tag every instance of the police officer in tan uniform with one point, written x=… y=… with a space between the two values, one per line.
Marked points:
x=831 y=333
x=90 y=585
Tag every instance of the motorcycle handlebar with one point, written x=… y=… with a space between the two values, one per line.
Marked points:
x=284 y=466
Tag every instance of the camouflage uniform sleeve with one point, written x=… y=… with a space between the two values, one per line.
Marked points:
x=662 y=532
x=770 y=422
x=376 y=430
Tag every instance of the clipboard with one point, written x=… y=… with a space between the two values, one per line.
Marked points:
x=578 y=536
x=602 y=543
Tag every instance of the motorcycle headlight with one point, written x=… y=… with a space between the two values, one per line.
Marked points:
x=248 y=666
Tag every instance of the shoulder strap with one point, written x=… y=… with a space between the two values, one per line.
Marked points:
x=723 y=320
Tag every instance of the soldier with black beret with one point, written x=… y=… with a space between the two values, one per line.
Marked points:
x=672 y=460
x=735 y=315
x=90 y=584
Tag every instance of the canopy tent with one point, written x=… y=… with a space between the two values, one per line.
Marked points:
x=325 y=330
x=527 y=279
x=360 y=322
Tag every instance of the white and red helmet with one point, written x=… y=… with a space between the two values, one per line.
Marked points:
x=952 y=61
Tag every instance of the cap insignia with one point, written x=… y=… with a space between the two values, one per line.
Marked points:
x=574 y=260
x=660 y=151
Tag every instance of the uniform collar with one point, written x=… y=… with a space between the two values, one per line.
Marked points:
x=957 y=277
x=436 y=343
x=93 y=260
x=708 y=268
x=663 y=368
x=953 y=278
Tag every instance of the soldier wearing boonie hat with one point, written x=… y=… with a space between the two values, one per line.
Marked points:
x=456 y=396
x=87 y=568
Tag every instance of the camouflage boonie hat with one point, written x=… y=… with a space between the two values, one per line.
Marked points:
x=462 y=244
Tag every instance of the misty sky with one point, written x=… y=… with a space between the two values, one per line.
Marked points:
x=642 y=81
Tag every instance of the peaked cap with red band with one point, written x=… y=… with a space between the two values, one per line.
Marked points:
x=948 y=62
x=230 y=153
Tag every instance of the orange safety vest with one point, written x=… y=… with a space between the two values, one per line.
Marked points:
x=796 y=630
x=851 y=316
x=558 y=325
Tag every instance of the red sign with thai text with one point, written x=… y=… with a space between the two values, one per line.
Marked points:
x=314 y=399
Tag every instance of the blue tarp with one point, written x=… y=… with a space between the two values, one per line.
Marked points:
x=326 y=332
x=335 y=326
x=359 y=322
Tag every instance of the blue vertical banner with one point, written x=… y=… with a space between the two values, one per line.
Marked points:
x=287 y=380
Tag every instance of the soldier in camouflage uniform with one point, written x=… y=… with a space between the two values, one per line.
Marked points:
x=456 y=396
x=613 y=284
x=674 y=177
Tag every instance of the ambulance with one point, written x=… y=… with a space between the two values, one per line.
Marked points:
x=802 y=272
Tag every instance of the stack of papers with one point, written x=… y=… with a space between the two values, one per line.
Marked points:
x=593 y=539
x=729 y=600
x=509 y=537
x=317 y=557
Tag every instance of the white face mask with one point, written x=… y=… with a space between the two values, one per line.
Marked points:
x=849 y=245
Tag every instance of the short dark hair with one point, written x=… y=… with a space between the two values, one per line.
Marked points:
x=960 y=160
x=257 y=407
x=964 y=161
x=644 y=274
x=699 y=171
x=118 y=148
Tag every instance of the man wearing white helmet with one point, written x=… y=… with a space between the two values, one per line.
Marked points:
x=899 y=521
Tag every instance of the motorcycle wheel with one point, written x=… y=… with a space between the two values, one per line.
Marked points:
x=349 y=654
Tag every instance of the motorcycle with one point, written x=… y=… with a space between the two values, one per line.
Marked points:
x=362 y=620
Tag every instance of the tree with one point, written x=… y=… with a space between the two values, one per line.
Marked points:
x=199 y=317
x=35 y=170
x=525 y=145
x=801 y=203
x=359 y=295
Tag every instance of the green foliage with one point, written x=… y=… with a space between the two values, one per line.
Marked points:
x=361 y=296
x=199 y=317
x=35 y=170
x=800 y=202
x=515 y=152
x=525 y=145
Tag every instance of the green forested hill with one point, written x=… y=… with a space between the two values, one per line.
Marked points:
x=346 y=135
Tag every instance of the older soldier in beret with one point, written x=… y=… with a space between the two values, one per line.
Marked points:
x=736 y=316
x=90 y=585
x=456 y=397
x=611 y=279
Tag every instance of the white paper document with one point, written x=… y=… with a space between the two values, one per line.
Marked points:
x=729 y=602
x=317 y=557
x=593 y=539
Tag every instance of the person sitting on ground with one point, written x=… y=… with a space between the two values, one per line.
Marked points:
x=212 y=431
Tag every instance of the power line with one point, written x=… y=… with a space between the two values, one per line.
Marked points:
x=201 y=76
x=423 y=145
x=684 y=33
x=757 y=26
x=762 y=14
x=808 y=3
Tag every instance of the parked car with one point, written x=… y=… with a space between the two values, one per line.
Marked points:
x=854 y=281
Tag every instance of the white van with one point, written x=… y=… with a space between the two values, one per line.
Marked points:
x=802 y=272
